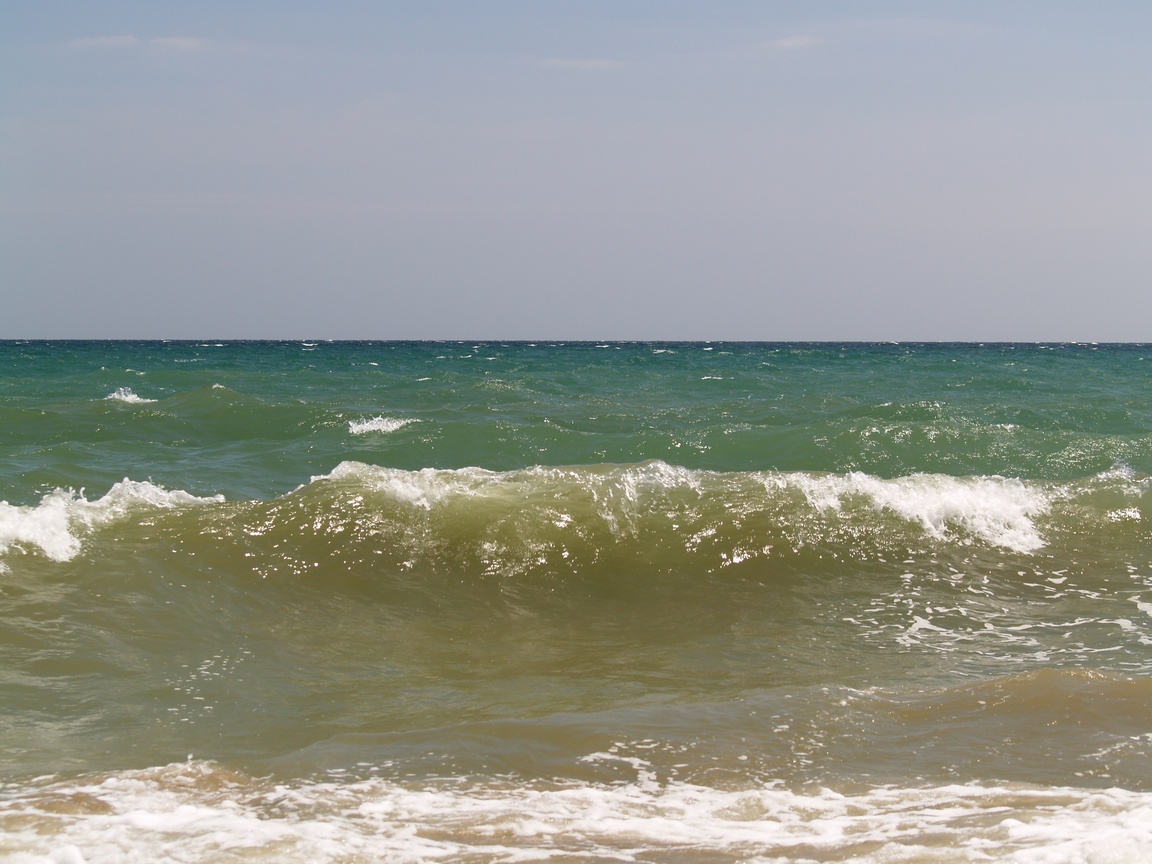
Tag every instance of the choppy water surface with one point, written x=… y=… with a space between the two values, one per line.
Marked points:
x=612 y=602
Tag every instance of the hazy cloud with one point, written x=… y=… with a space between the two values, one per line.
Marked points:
x=566 y=63
x=176 y=43
x=164 y=43
x=794 y=43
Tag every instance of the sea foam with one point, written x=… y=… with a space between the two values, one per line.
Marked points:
x=196 y=811
x=125 y=394
x=55 y=525
x=378 y=424
x=998 y=510
x=994 y=510
x=424 y=488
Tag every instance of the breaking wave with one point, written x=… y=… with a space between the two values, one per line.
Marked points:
x=55 y=525
x=200 y=811
x=125 y=394
x=513 y=521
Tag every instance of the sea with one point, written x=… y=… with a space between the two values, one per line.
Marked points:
x=667 y=602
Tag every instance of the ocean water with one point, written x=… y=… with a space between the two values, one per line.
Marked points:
x=575 y=602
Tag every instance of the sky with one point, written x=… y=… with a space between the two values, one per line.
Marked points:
x=506 y=169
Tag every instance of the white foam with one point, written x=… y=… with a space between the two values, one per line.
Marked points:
x=997 y=510
x=424 y=488
x=614 y=490
x=1123 y=479
x=193 y=811
x=378 y=424
x=125 y=394
x=46 y=526
x=994 y=510
x=1126 y=514
x=55 y=525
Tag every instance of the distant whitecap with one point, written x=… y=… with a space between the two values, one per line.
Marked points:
x=377 y=424
x=125 y=394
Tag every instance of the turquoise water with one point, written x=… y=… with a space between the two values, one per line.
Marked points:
x=256 y=419
x=576 y=601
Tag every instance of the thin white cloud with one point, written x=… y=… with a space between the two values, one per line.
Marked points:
x=564 y=63
x=176 y=43
x=794 y=43
x=163 y=43
x=123 y=41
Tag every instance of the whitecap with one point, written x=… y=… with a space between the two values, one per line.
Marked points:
x=998 y=510
x=125 y=394
x=424 y=488
x=56 y=525
x=994 y=510
x=378 y=424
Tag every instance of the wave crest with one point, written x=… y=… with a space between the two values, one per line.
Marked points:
x=995 y=510
x=673 y=518
x=125 y=394
x=56 y=524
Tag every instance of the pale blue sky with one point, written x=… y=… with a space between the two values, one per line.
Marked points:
x=600 y=170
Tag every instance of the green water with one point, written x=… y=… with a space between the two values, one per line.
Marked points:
x=257 y=419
